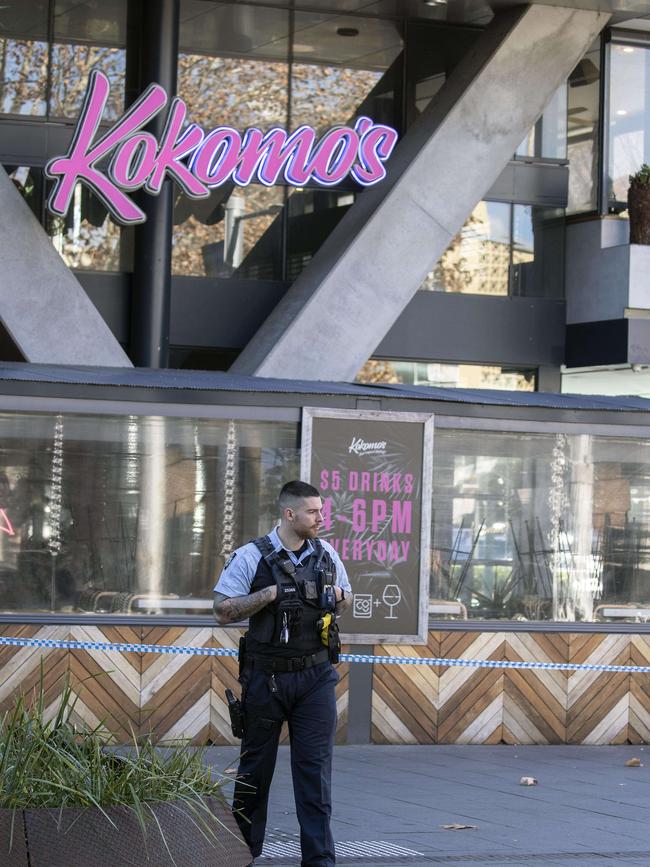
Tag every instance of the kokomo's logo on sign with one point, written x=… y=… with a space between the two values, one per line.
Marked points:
x=199 y=161
x=359 y=446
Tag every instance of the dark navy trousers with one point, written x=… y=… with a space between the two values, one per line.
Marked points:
x=307 y=701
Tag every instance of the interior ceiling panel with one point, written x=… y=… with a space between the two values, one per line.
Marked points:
x=467 y=11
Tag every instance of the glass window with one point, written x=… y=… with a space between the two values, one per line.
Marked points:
x=236 y=232
x=87 y=238
x=29 y=183
x=71 y=66
x=23 y=58
x=232 y=70
x=233 y=66
x=93 y=22
x=478 y=258
x=443 y=375
x=313 y=215
x=433 y=50
x=233 y=29
x=582 y=124
x=343 y=67
x=538 y=236
x=548 y=138
x=629 y=117
x=233 y=91
x=540 y=526
x=87 y=35
x=131 y=514
x=504 y=249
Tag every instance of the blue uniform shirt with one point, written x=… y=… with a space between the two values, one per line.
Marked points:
x=239 y=571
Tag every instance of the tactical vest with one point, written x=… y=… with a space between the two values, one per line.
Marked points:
x=264 y=628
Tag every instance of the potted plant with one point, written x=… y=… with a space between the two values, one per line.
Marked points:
x=638 y=203
x=68 y=801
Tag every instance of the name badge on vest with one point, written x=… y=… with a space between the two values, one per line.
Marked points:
x=311 y=590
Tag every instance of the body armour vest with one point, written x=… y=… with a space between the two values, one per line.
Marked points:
x=264 y=627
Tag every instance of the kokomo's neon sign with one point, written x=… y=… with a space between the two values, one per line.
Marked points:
x=200 y=161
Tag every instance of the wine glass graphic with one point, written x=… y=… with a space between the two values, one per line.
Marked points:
x=392 y=597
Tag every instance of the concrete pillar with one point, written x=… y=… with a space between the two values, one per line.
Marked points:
x=43 y=307
x=340 y=308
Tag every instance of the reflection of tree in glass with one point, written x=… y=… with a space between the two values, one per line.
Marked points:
x=478 y=257
x=87 y=246
x=452 y=272
x=324 y=96
x=23 y=76
x=193 y=236
x=71 y=66
x=233 y=91
x=240 y=93
x=378 y=370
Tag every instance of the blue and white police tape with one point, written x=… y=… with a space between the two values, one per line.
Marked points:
x=60 y=644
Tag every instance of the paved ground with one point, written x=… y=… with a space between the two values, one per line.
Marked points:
x=390 y=803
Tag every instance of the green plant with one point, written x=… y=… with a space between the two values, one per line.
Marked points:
x=638 y=201
x=56 y=763
x=642 y=176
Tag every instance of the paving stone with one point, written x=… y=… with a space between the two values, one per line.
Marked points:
x=588 y=809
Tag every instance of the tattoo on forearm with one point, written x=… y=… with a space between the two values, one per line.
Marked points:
x=235 y=608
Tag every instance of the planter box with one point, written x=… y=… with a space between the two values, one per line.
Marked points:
x=84 y=838
x=605 y=274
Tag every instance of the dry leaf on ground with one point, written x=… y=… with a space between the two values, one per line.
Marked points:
x=458 y=827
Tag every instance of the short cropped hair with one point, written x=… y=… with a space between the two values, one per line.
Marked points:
x=295 y=490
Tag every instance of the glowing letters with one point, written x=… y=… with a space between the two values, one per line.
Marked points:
x=5 y=524
x=200 y=161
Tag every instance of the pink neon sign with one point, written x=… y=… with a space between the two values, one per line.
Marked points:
x=200 y=161
x=6 y=526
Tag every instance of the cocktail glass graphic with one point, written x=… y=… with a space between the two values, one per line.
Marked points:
x=392 y=596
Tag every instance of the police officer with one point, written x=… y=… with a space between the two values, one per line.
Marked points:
x=291 y=586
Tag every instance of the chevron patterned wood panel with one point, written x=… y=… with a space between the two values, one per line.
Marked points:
x=468 y=705
x=107 y=685
x=638 y=730
x=534 y=702
x=608 y=707
x=181 y=696
x=21 y=667
x=172 y=697
x=405 y=697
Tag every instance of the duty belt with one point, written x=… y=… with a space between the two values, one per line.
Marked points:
x=293 y=663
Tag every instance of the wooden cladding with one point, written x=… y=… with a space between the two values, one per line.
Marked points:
x=183 y=696
x=170 y=696
x=413 y=704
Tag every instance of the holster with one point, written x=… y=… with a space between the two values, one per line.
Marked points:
x=333 y=642
x=329 y=635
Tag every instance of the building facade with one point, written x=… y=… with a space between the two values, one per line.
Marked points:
x=495 y=255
